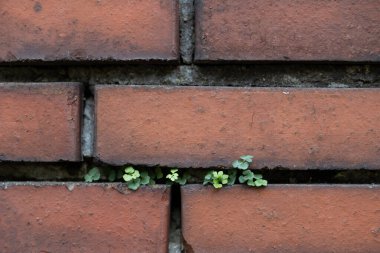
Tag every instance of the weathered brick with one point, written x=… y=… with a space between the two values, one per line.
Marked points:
x=73 y=30
x=282 y=218
x=40 y=122
x=64 y=217
x=284 y=30
x=212 y=126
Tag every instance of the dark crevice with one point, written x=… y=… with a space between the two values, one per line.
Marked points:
x=312 y=75
x=175 y=235
x=69 y=171
x=39 y=171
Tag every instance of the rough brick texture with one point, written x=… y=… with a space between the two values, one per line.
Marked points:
x=43 y=217
x=282 y=218
x=40 y=122
x=212 y=126
x=282 y=30
x=71 y=30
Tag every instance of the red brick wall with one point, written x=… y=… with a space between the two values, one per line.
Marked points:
x=189 y=84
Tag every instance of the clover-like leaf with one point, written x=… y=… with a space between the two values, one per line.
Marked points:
x=134 y=184
x=232 y=176
x=250 y=182
x=246 y=158
x=216 y=178
x=145 y=178
x=241 y=165
x=129 y=170
x=261 y=182
x=182 y=180
x=127 y=177
x=246 y=175
x=208 y=178
x=92 y=175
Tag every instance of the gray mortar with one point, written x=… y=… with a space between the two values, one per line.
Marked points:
x=88 y=127
x=255 y=75
x=175 y=242
x=186 y=10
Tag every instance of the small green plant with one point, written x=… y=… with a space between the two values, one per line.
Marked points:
x=92 y=175
x=251 y=179
x=242 y=163
x=175 y=177
x=134 y=178
x=216 y=178
x=240 y=166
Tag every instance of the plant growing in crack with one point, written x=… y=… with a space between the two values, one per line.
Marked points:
x=134 y=178
x=242 y=163
x=175 y=176
x=241 y=166
x=216 y=178
x=92 y=175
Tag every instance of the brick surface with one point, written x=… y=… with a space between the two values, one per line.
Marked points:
x=71 y=30
x=212 y=126
x=40 y=122
x=282 y=218
x=283 y=30
x=42 y=217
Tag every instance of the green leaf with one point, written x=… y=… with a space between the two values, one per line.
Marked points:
x=208 y=175
x=231 y=176
x=127 y=178
x=248 y=174
x=261 y=182
x=241 y=165
x=247 y=158
x=129 y=170
x=145 y=178
x=92 y=175
x=159 y=173
x=134 y=184
x=242 y=179
x=217 y=185
x=112 y=176
x=236 y=164
x=172 y=177
x=251 y=182
x=87 y=178
x=181 y=181
x=136 y=174
x=258 y=176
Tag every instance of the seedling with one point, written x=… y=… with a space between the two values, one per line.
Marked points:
x=243 y=163
x=251 y=179
x=216 y=178
x=175 y=177
x=135 y=179
x=92 y=175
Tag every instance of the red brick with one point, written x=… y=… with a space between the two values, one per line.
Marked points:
x=282 y=218
x=212 y=126
x=73 y=30
x=284 y=30
x=40 y=122
x=63 y=217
